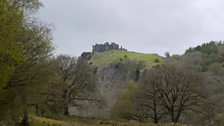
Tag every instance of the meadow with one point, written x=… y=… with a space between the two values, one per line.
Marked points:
x=77 y=121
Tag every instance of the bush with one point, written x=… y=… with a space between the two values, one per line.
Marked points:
x=156 y=60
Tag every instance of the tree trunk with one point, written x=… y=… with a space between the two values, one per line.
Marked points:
x=25 y=121
x=37 y=110
x=178 y=116
x=172 y=115
x=42 y=113
x=66 y=111
x=64 y=96
x=156 y=120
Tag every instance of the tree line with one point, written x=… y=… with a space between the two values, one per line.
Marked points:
x=186 y=88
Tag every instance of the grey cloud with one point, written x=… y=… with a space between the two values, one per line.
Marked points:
x=150 y=26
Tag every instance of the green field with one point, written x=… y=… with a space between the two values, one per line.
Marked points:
x=116 y=55
x=75 y=121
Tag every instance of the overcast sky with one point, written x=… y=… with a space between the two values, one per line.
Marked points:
x=148 y=26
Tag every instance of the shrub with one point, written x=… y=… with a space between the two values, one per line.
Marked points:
x=156 y=60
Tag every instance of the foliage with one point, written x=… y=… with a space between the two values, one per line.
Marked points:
x=206 y=48
x=156 y=60
x=10 y=52
x=27 y=5
x=73 y=80
x=123 y=105
x=24 y=54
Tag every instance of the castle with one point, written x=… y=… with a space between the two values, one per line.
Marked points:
x=106 y=47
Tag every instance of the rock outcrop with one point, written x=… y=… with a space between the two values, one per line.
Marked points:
x=106 y=47
x=113 y=79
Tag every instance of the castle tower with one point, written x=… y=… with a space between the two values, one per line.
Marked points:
x=106 y=47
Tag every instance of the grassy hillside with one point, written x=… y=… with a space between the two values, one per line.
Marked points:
x=115 y=55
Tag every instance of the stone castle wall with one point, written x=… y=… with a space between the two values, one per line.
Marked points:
x=106 y=47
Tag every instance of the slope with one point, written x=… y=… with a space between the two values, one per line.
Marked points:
x=115 y=55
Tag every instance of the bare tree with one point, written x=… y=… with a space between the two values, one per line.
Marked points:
x=74 y=81
x=146 y=100
x=179 y=91
x=168 y=91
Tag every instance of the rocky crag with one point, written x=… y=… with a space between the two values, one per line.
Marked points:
x=114 y=70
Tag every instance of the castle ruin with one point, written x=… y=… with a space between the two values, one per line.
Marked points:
x=106 y=47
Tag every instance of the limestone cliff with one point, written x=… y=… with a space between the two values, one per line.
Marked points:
x=114 y=70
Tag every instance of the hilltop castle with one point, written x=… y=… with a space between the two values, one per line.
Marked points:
x=106 y=47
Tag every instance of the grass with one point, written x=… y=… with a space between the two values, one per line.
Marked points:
x=76 y=121
x=115 y=55
x=41 y=121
